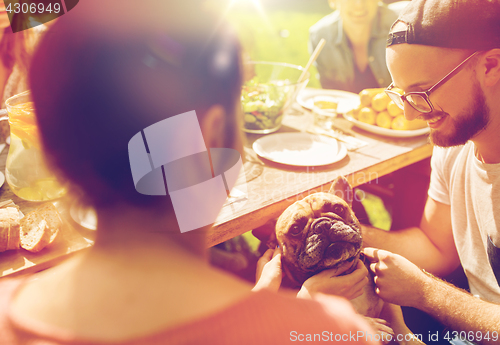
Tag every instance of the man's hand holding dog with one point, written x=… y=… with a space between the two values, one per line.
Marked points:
x=398 y=280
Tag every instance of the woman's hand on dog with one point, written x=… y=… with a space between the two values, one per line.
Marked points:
x=269 y=273
x=349 y=286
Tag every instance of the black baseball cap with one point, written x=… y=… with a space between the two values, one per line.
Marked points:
x=463 y=24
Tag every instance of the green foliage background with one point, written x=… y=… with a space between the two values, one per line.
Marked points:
x=279 y=32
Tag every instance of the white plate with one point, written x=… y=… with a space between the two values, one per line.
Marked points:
x=83 y=215
x=347 y=102
x=346 y=99
x=2 y=179
x=385 y=131
x=300 y=149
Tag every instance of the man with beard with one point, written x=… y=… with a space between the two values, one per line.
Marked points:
x=444 y=58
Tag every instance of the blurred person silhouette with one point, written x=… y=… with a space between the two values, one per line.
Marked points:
x=14 y=61
x=103 y=74
x=16 y=50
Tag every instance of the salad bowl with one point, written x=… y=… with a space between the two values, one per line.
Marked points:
x=269 y=89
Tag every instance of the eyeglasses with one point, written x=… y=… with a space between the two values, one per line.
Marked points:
x=419 y=100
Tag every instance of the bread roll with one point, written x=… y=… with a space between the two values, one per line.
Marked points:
x=4 y=229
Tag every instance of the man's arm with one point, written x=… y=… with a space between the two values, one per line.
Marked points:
x=400 y=282
x=430 y=246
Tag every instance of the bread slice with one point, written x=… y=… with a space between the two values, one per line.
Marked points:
x=37 y=237
x=49 y=212
x=4 y=229
x=40 y=227
x=14 y=229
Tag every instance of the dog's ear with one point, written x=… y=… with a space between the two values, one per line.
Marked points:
x=272 y=242
x=341 y=188
x=267 y=233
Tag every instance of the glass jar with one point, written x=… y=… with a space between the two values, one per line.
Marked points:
x=26 y=172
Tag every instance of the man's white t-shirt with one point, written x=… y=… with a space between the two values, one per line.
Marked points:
x=472 y=188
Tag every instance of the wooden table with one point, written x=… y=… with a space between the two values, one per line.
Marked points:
x=277 y=186
x=271 y=188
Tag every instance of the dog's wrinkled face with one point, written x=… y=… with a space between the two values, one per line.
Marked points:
x=319 y=232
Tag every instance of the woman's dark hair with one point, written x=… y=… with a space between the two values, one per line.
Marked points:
x=95 y=87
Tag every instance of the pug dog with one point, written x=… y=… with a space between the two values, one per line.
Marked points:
x=321 y=232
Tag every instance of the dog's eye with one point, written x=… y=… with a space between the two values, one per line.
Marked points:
x=295 y=230
x=338 y=209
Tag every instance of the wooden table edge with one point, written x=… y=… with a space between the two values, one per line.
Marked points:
x=233 y=227
x=44 y=265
